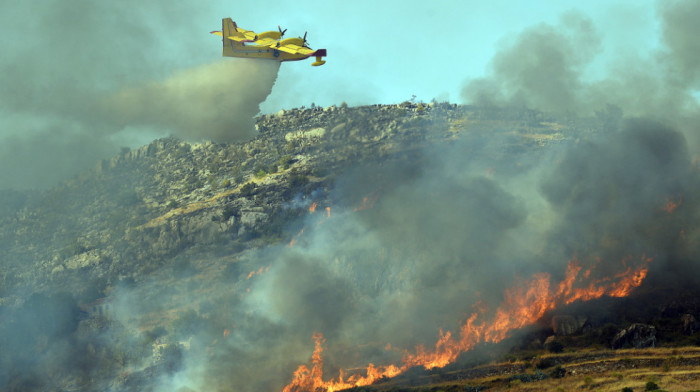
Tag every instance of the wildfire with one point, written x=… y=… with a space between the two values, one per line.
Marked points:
x=306 y=379
x=671 y=205
x=523 y=304
x=312 y=209
x=296 y=237
x=258 y=272
x=368 y=201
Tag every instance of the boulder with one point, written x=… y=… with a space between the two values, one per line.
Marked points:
x=253 y=218
x=83 y=260
x=636 y=335
x=551 y=344
x=690 y=324
x=567 y=325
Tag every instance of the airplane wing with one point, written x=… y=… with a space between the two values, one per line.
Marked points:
x=240 y=36
x=244 y=35
x=295 y=49
x=266 y=42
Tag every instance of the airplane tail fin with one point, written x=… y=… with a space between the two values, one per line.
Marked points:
x=320 y=54
x=228 y=29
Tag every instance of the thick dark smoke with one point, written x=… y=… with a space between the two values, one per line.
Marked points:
x=541 y=68
x=82 y=79
x=444 y=233
x=680 y=32
x=444 y=237
x=544 y=68
x=611 y=195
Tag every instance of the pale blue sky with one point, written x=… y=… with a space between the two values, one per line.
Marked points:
x=386 y=51
x=62 y=60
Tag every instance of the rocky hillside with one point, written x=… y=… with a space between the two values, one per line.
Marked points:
x=159 y=200
x=174 y=266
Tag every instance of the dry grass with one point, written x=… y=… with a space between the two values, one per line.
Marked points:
x=672 y=369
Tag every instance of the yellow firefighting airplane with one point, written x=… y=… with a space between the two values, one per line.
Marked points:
x=267 y=45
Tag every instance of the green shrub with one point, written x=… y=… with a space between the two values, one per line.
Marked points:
x=227 y=213
x=247 y=190
x=285 y=162
x=555 y=347
x=298 y=180
x=543 y=363
x=525 y=377
x=627 y=389
x=558 y=372
x=651 y=386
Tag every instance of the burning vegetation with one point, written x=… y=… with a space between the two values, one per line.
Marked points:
x=525 y=303
x=386 y=226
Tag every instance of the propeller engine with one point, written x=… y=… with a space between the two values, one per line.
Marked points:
x=281 y=31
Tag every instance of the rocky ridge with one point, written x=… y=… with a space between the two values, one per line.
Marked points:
x=160 y=199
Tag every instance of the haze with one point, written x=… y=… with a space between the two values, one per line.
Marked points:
x=62 y=61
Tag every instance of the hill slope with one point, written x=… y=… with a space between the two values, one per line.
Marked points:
x=181 y=266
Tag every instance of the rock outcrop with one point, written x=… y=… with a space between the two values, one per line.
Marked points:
x=568 y=325
x=690 y=324
x=636 y=336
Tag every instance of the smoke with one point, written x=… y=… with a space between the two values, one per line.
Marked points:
x=612 y=196
x=83 y=79
x=541 y=67
x=448 y=229
x=679 y=32
x=445 y=237
x=212 y=102
x=546 y=68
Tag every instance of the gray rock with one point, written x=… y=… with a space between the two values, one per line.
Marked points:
x=83 y=260
x=567 y=325
x=253 y=219
x=690 y=324
x=636 y=335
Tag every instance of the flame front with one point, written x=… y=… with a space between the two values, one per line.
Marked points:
x=523 y=304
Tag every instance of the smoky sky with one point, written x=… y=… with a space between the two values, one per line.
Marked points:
x=82 y=79
x=679 y=34
x=454 y=226
x=444 y=234
x=445 y=238
x=545 y=68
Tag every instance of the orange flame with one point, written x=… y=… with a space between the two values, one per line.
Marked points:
x=328 y=210
x=258 y=272
x=296 y=237
x=368 y=201
x=524 y=303
x=312 y=209
x=306 y=379
x=671 y=205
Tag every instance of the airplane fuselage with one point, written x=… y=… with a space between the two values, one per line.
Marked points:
x=267 y=45
x=252 y=51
